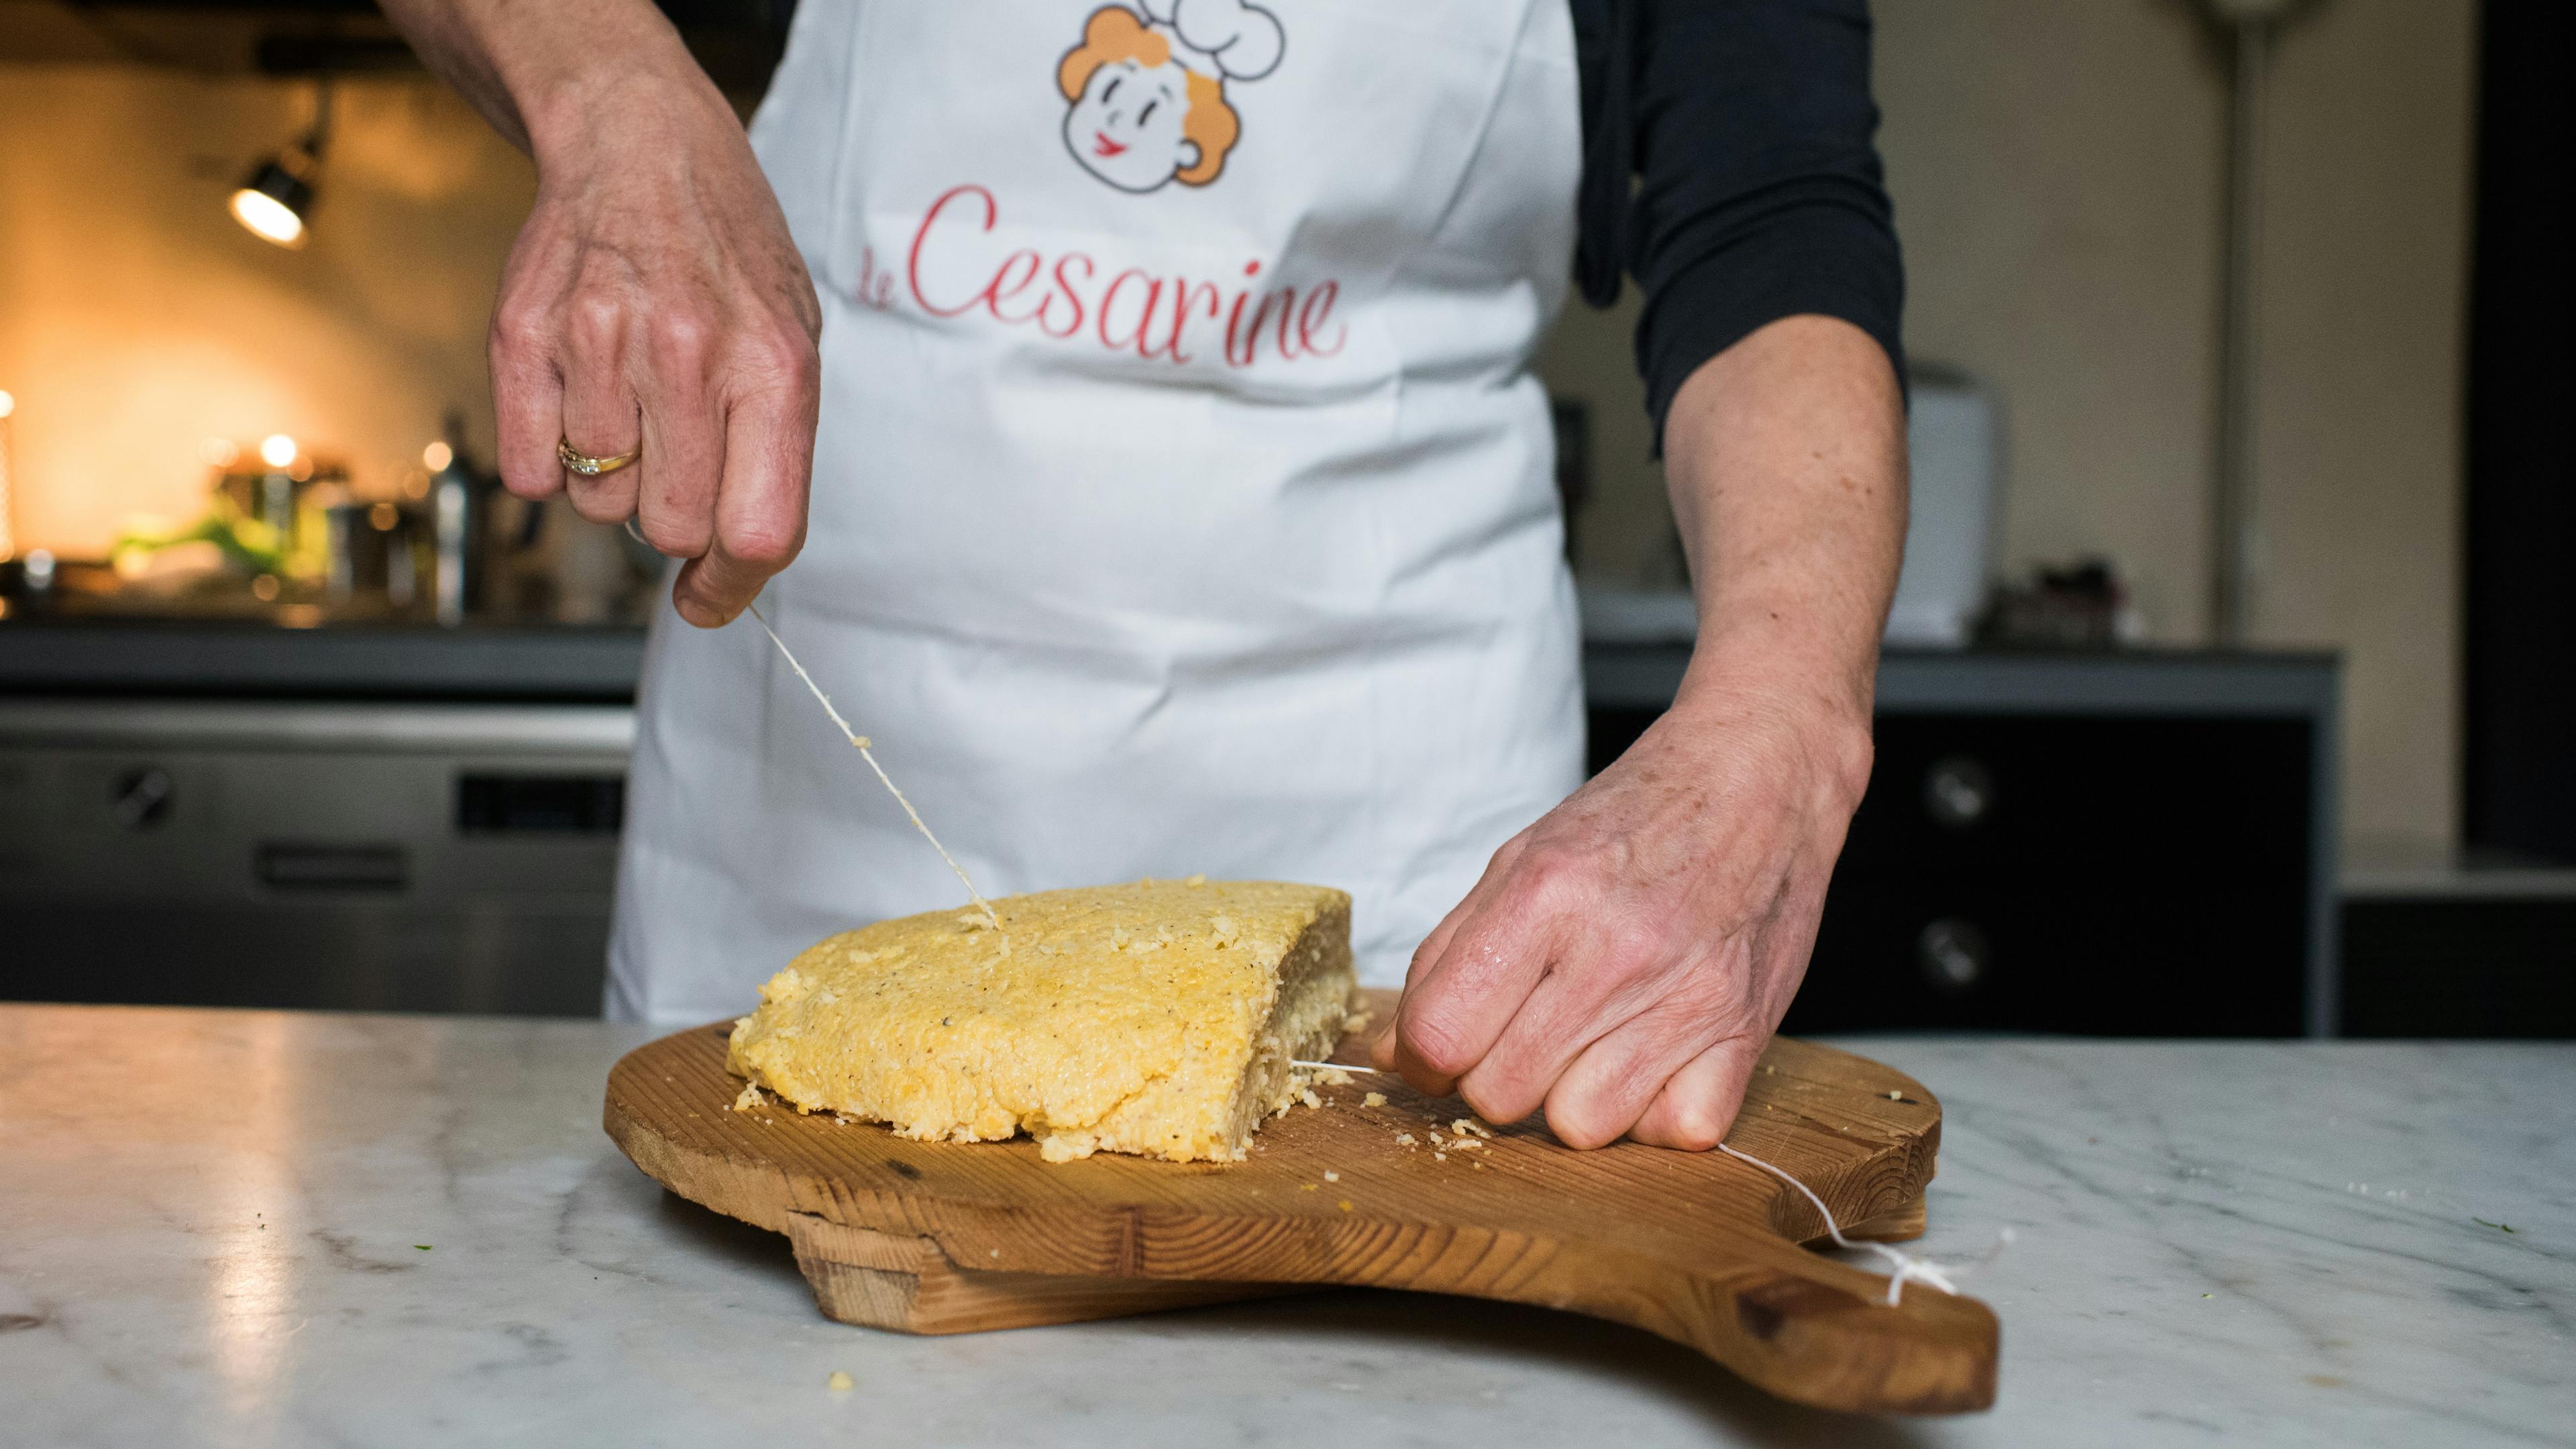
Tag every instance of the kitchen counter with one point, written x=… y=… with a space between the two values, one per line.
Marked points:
x=253 y=1227
x=196 y=658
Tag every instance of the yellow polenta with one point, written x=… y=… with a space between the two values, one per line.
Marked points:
x=1159 y=1017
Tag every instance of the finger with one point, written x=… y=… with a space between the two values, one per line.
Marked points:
x=1606 y=983
x=760 y=504
x=601 y=417
x=1698 y=1104
x=527 y=399
x=1382 y=1050
x=1608 y=1089
x=679 y=476
x=1456 y=1010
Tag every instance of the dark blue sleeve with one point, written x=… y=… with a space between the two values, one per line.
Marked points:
x=1729 y=167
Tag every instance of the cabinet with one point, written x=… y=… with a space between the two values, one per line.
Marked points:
x=2112 y=845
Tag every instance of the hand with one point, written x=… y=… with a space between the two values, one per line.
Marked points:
x=1625 y=960
x=655 y=301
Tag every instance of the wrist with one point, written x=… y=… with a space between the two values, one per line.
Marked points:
x=578 y=104
x=1813 y=694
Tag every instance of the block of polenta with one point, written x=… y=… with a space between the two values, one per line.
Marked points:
x=1159 y=1017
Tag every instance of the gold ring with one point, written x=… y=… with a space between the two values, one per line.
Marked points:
x=588 y=466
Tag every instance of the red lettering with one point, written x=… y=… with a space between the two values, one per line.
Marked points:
x=998 y=289
x=1234 y=330
x=1287 y=306
x=912 y=266
x=876 y=289
x=1109 y=299
x=1318 y=308
x=1252 y=333
x=1182 y=295
x=1071 y=295
x=1027 y=288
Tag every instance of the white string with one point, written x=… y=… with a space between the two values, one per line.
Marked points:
x=862 y=742
x=1904 y=1264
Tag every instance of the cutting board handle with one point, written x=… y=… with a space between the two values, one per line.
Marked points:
x=1813 y=1328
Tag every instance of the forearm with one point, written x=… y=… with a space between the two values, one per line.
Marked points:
x=1785 y=456
x=539 y=70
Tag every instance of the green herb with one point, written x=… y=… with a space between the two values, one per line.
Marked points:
x=424 y=1247
x=2499 y=1227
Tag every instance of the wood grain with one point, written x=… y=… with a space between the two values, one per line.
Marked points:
x=1699 y=1248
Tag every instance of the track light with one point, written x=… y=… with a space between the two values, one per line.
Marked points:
x=276 y=198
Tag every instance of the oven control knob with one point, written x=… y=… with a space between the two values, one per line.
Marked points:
x=140 y=799
x=1953 y=953
x=1958 y=791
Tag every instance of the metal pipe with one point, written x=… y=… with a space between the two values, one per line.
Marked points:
x=2235 y=541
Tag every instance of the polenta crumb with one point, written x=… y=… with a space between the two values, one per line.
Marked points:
x=1374 y=1099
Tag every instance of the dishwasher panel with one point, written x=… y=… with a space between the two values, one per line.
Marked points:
x=356 y=856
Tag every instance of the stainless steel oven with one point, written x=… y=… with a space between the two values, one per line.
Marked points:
x=338 y=854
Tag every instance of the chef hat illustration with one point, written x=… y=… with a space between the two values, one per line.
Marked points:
x=1221 y=39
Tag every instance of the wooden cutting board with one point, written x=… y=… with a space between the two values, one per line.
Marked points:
x=930 y=1237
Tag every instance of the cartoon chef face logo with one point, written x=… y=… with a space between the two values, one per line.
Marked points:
x=1146 y=92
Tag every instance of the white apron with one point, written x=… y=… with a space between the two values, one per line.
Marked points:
x=1182 y=498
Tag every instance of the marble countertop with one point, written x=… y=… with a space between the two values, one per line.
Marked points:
x=280 y=1229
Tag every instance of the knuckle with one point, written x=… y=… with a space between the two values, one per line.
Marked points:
x=768 y=544
x=599 y=505
x=1632 y=945
x=519 y=333
x=1491 y=1101
x=1435 y=1044
x=1697 y=1126
x=532 y=481
x=1552 y=876
x=1580 y=1126
x=674 y=535
x=683 y=340
x=781 y=358
x=594 y=320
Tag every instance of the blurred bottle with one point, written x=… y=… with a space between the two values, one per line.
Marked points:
x=460 y=502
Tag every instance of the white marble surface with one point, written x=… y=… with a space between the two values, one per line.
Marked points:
x=208 y=1224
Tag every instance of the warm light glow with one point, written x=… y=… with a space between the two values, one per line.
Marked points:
x=384 y=516
x=268 y=218
x=277 y=450
x=219 y=452
x=8 y=404
x=264 y=588
x=435 y=457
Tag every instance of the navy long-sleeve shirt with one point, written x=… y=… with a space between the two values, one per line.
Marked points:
x=1729 y=167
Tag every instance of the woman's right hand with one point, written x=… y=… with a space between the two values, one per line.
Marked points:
x=654 y=300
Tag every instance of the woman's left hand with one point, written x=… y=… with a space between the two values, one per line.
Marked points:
x=1624 y=961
